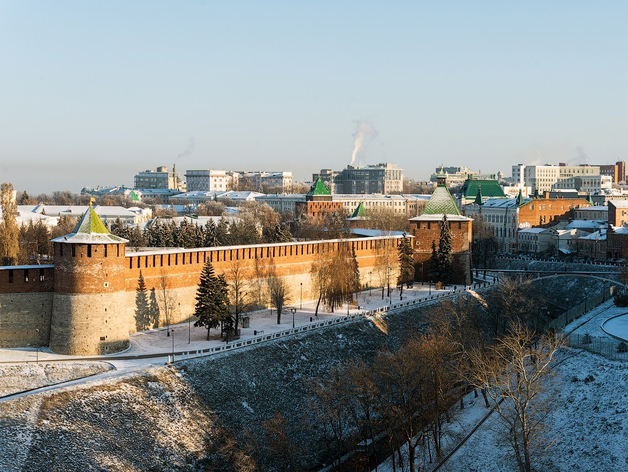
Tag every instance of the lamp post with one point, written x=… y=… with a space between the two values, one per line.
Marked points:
x=370 y=283
x=190 y=330
x=172 y=330
x=293 y=310
x=301 y=300
x=37 y=352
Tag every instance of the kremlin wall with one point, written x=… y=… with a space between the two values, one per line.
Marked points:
x=85 y=303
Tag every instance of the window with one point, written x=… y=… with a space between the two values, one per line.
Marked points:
x=25 y=275
x=11 y=275
x=41 y=275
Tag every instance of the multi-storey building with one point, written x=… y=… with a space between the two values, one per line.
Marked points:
x=161 y=178
x=210 y=180
x=550 y=177
x=616 y=171
x=384 y=178
x=504 y=217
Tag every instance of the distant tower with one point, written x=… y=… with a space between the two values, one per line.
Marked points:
x=89 y=291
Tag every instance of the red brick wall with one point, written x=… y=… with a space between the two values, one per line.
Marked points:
x=89 y=268
x=31 y=279
x=425 y=232
x=183 y=268
x=542 y=211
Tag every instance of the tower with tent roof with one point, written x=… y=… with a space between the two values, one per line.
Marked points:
x=89 y=290
x=426 y=230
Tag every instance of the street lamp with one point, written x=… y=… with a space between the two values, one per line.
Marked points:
x=37 y=354
x=370 y=283
x=293 y=310
x=190 y=330
x=301 y=301
x=172 y=330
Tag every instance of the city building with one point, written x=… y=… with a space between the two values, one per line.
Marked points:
x=583 y=178
x=617 y=171
x=484 y=188
x=210 y=180
x=383 y=178
x=161 y=178
x=504 y=217
x=617 y=212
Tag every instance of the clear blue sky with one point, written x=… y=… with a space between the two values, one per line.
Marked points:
x=93 y=92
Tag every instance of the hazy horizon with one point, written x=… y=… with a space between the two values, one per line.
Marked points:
x=93 y=93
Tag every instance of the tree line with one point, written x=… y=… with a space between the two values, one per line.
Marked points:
x=400 y=399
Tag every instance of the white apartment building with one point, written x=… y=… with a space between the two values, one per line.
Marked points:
x=210 y=180
x=550 y=177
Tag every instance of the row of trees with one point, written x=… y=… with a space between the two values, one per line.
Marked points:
x=409 y=393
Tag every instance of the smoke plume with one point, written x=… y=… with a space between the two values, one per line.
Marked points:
x=188 y=151
x=364 y=132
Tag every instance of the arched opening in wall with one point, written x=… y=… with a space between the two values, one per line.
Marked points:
x=41 y=275
x=130 y=262
x=104 y=250
x=145 y=261
x=73 y=250
x=89 y=250
x=168 y=259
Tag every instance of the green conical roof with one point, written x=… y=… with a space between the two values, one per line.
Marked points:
x=134 y=196
x=441 y=203
x=90 y=229
x=359 y=211
x=478 y=197
x=319 y=188
x=520 y=199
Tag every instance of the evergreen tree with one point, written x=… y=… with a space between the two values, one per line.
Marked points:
x=210 y=234
x=406 y=262
x=142 y=314
x=433 y=272
x=445 y=256
x=212 y=300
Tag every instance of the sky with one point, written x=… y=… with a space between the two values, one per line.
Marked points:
x=93 y=92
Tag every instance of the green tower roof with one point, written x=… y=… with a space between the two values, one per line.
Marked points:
x=441 y=203
x=90 y=229
x=319 y=188
x=520 y=199
x=359 y=211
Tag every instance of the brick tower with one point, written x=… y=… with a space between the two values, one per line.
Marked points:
x=89 y=291
x=426 y=230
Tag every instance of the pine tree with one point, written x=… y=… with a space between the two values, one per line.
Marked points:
x=406 y=262
x=445 y=257
x=433 y=271
x=142 y=315
x=212 y=300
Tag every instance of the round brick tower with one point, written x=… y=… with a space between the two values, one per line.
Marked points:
x=89 y=291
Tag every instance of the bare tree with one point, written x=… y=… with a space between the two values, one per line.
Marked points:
x=278 y=291
x=512 y=373
x=238 y=278
x=9 y=247
x=386 y=263
x=167 y=299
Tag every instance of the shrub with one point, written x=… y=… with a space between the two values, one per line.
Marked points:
x=622 y=347
x=621 y=299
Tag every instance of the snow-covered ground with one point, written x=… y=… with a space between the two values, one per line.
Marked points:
x=586 y=428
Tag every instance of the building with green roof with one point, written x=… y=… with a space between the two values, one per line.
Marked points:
x=488 y=188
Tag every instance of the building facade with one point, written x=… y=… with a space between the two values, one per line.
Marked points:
x=383 y=178
x=161 y=178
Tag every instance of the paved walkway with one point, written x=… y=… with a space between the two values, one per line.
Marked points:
x=153 y=346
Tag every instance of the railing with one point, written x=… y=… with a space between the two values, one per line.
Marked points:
x=229 y=346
